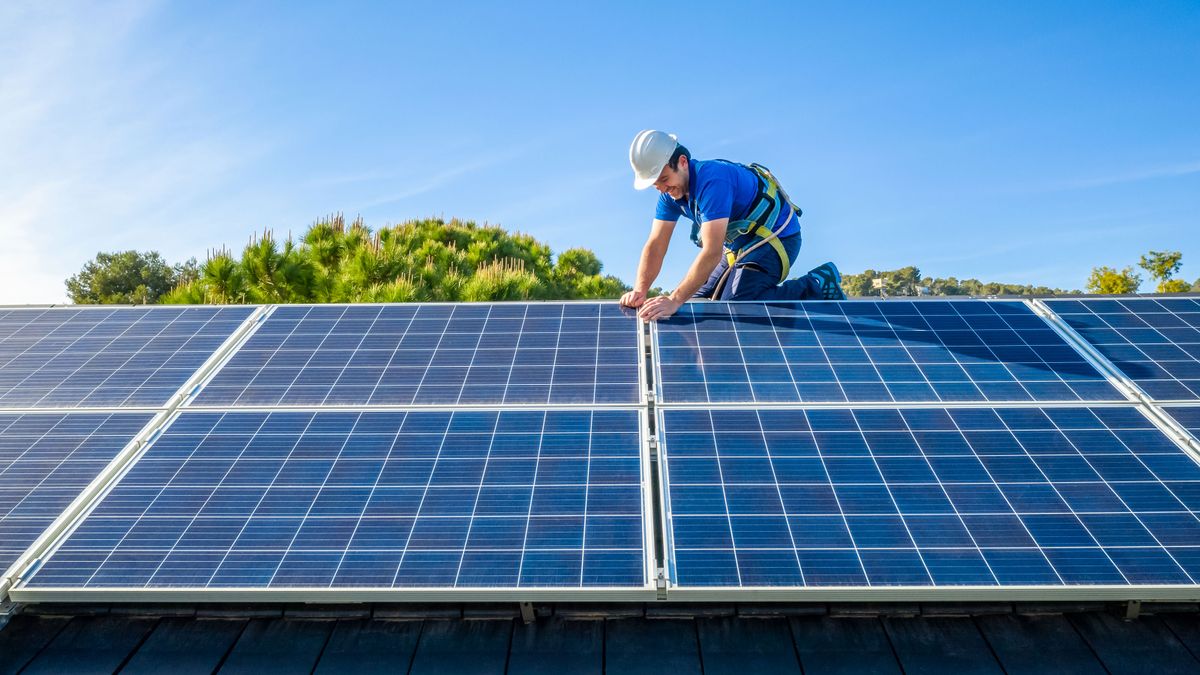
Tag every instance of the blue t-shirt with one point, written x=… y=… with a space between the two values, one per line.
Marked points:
x=719 y=189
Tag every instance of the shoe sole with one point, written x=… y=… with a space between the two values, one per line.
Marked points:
x=830 y=280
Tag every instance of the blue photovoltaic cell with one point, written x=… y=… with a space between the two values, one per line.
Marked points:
x=470 y=499
x=892 y=351
x=540 y=353
x=106 y=357
x=1187 y=416
x=1155 y=342
x=928 y=497
x=45 y=462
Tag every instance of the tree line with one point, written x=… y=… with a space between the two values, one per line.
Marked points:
x=1162 y=266
x=424 y=260
x=431 y=259
x=907 y=281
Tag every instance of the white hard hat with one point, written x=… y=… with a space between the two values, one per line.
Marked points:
x=648 y=154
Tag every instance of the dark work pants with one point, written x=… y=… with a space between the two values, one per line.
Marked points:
x=756 y=277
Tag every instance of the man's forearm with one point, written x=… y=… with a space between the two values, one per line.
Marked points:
x=648 y=267
x=701 y=269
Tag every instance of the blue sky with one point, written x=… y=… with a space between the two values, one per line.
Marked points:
x=1020 y=142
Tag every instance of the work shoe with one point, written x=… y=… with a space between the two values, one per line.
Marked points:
x=831 y=281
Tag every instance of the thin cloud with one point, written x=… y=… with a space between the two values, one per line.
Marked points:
x=440 y=179
x=101 y=145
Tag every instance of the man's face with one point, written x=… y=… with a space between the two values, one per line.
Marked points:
x=674 y=181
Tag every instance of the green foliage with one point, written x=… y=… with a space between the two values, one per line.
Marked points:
x=126 y=277
x=501 y=280
x=578 y=262
x=860 y=285
x=1108 y=281
x=416 y=261
x=431 y=259
x=1161 y=265
x=907 y=281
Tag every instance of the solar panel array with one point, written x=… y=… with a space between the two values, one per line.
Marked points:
x=106 y=357
x=372 y=499
x=818 y=446
x=898 y=351
x=1154 y=342
x=967 y=490
x=520 y=353
x=925 y=497
x=73 y=360
x=46 y=459
x=390 y=447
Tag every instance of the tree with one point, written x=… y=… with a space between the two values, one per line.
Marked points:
x=1108 y=281
x=415 y=261
x=124 y=277
x=219 y=281
x=860 y=285
x=907 y=281
x=1162 y=265
x=275 y=274
x=903 y=281
x=186 y=271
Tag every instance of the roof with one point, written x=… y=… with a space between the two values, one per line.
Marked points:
x=662 y=637
x=659 y=640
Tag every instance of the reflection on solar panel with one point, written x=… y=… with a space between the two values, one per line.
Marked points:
x=98 y=357
x=864 y=351
x=469 y=499
x=435 y=354
x=1156 y=343
x=45 y=462
x=928 y=497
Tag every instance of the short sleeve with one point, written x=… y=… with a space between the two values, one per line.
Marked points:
x=667 y=209
x=714 y=200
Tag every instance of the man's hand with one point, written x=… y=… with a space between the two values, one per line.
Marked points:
x=659 y=308
x=633 y=298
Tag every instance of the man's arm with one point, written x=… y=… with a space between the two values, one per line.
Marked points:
x=651 y=262
x=712 y=240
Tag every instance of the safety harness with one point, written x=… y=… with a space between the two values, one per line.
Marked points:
x=764 y=212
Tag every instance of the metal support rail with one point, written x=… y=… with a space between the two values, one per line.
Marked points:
x=1150 y=407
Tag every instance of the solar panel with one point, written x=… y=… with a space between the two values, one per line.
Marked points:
x=927 y=497
x=106 y=357
x=1189 y=417
x=513 y=499
x=518 y=353
x=45 y=462
x=1155 y=342
x=896 y=351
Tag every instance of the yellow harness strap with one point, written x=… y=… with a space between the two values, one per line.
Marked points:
x=765 y=237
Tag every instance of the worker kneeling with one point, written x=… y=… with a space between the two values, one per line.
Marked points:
x=747 y=229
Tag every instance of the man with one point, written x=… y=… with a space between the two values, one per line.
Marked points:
x=747 y=229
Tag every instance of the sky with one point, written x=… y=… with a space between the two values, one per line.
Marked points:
x=1014 y=142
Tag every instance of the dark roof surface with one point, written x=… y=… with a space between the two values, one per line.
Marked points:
x=662 y=642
